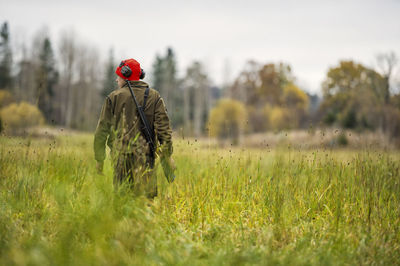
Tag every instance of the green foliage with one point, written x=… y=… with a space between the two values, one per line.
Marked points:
x=226 y=207
x=342 y=139
x=349 y=119
x=329 y=118
x=46 y=79
x=18 y=116
x=350 y=77
x=5 y=58
x=228 y=120
x=353 y=96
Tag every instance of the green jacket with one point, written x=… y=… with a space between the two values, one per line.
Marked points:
x=119 y=122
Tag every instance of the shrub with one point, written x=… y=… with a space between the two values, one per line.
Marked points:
x=5 y=98
x=17 y=117
x=391 y=122
x=280 y=118
x=342 y=139
x=227 y=120
x=349 y=119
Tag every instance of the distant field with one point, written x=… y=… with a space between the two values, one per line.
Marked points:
x=227 y=206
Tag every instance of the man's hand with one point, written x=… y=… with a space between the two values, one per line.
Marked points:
x=172 y=163
x=99 y=167
x=169 y=168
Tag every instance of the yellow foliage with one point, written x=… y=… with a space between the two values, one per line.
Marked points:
x=5 y=98
x=290 y=114
x=20 y=116
x=278 y=117
x=227 y=119
x=295 y=98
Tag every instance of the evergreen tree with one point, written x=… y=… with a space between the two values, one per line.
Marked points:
x=157 y=77
x=166 y=82
x=5 y=58
x=46 y=79
x=109 y=83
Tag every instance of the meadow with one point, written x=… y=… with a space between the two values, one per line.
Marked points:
x=227 y=206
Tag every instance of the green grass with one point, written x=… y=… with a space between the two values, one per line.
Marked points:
x=226 y=207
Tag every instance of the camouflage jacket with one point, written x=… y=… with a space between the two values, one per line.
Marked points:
x=119 y=123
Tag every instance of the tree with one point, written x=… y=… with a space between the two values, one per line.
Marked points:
x=273 y=79
x=46 y=79
x=197 y=98
x=244 y=88
x=228 y=120
x=297 y=102
x=291 y=113
x=109 y=83
x=169 y=78
x=86 y=87
x=68 y=50
x=158 y=69
x=5 y=58
x=353 y=94
x=386 y=64
x=262 y=87
x=166 y=82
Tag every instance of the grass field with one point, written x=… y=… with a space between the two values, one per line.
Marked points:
x=226 y=207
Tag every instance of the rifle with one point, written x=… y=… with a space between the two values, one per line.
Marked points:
x=145 y=124
x=148 y=135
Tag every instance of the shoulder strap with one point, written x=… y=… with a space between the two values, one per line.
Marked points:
x=146 y=95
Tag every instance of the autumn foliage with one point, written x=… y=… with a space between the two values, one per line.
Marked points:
x=228 y=120
x=273 y=100
x=16 y=117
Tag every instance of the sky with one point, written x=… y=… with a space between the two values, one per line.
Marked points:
x=311 y=36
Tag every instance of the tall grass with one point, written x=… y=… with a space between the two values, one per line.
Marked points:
x=226 y=206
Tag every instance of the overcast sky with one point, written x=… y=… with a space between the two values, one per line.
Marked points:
x=309 y=35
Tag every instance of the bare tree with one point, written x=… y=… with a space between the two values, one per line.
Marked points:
x=26 y=80
x=386 y=63
x=196 y=96
x=89 y=87
x=67 y=50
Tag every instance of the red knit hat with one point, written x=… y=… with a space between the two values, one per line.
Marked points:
x=133 y=65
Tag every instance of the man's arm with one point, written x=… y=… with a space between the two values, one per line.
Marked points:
x=162 y=128
x=164 y=134
x=102 y=132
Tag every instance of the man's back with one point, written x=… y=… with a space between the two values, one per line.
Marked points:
x=119 y=120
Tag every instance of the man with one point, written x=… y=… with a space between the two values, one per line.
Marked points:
x=121 y=128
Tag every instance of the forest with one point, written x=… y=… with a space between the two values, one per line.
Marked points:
x=67 y=86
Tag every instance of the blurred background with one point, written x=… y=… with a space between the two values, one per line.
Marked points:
x=254 y=73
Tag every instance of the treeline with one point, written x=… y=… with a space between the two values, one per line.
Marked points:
x=268 y=99
x=68 y=84
x=65 y=82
